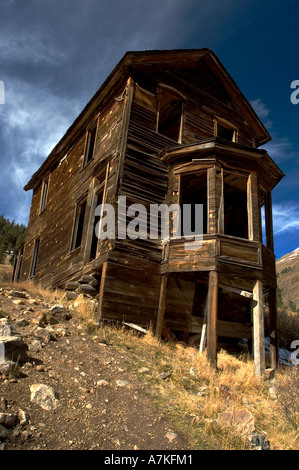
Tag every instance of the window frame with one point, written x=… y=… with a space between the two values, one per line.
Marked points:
x=44 y=194
x=88 y=157
x=164 y=89
x=227 y=125
x=74 y=245
x=34 y=259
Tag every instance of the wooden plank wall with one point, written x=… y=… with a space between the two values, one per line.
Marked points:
x=68 y=182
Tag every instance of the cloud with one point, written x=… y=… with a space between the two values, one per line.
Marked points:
x=285 y=217
x=262 y=111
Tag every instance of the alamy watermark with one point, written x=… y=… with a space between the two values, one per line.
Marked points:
x=295 y=354
x=2 y=92
x=160 y=222
x=295 y=94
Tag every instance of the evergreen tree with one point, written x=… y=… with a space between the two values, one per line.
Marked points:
x=12 y=237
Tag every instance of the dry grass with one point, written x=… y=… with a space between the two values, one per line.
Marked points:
x=194 y=393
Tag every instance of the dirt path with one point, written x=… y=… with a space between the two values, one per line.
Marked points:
x=102 y=404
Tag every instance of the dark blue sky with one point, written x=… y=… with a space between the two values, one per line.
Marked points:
x=54 y=55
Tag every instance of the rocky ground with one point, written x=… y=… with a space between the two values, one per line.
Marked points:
x=62 y=388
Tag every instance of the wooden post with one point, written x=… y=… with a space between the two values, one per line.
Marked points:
x=274 y=346
x=212 y=311
x=258 y=329
x=162 y=302
x=101 y=291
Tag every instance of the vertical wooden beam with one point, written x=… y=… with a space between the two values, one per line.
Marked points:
x=258 y=329
x=162 y=303
x=212 y=312
x=249 y=208
x=269 y=222
x=101 y=291
x=274 y=344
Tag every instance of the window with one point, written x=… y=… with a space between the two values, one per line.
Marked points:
x=91 y=138
x=170 y=116
x=79 y=224
x=34 y=257
x=96 y=219
x=194 y=191
x=225 y=131
x=235 y=204
x=44 y=195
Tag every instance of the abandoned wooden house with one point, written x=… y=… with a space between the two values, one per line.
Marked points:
x=165 y=127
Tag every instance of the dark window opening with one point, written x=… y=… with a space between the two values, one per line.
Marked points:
x=194 y=191
x=79 y=224
x=225 y=133
x=44 y=194
x=235 y=205
x=90 y=145
x=35 y=257
x=170 y=113
x=94 y=241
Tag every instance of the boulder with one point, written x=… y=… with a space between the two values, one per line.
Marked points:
x=87 y=289
x=72 y=286
x=44 y=396
x=85 y=279
x=241 y=420
x=60 y=312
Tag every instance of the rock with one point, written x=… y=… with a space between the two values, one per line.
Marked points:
x=3 y=432
x=60 y=312
x=23 y=418
x=164 y=375
x=87 y=289
x=7 y=419
x=7 y=368
x=40 y=318
x=72 y=286
x=242 y=421
x=144 y=370
x=258 y=442
x=44 y=396
x=102 y=383
x=20 y=295
x=52 y=320
x=15 y=349
x=22 y=323
x=269 y=374
x=62 y=331
x=202 y=391
x=3 y=404
x=19 y=302
x=273 y=394
x=226 y=393
x=85 y=279
x=171 y=436
x=5 y=327
x=72 y=295
x=42 y=334
x=35 y=346
x=121 y=383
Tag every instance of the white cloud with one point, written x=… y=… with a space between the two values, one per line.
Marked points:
x=262 y=111
x=285 y=217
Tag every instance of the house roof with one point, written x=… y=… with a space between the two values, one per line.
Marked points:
x=132 y=61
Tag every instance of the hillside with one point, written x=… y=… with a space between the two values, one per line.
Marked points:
x=288 y=279
x=80 y=386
